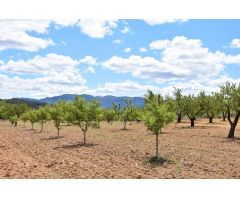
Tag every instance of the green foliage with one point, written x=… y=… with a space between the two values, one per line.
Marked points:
x=57 y=114
x=68 y=108
x=109 y=115
x=209 y=105
x=128 y=113
x=86 y=114
x=156 y=115
x=192 y=106
x=231 y=93
x=42 y=115
x=178 y=104
x=32 y=117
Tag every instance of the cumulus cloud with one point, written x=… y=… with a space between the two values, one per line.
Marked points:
x=125 y=30
x=124 y=88
x=46 y=76
x=90 y=70
x=153 y=22
x=181 y=58
x=97 y=28
x=142 y=49
x=159 y=44
x=15 y=34
x=235 y=43
x=127 y=50
x=40 y=65
x=89 y=60
x=118 y=41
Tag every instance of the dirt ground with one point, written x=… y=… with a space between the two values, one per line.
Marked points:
x=200 y=152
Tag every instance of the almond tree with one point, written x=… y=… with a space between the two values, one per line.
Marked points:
x=42 y=116
x=127 y=113
x=178 y=97
x=68 y=110
x=156 y=116
x=222 y=105
x=57 y=114
x=32 y=117
x=85 y=115
x=209 y=105
x=109 y=115
x=231 y=93
x=192 y=107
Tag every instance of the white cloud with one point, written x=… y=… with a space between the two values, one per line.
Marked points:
x=127 y=50
x=125 y=30
x=159 y=44
x=90 y=70
x=118 y=41
x=181 y=58
x=142 y=49
x=65 y=22
x=153 y=22
x=41 y=65
x=97 y=28
x=15 y=34
x=89 y=60
x=124 y=88
x=235 y=43
x=41 y=76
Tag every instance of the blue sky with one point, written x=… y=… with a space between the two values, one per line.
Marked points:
x=40 y=58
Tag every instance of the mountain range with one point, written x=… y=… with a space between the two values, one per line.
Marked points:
x=105 y=101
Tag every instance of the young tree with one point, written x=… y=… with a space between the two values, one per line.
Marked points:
x=222 y=105
x=57 y=114
x=32 y=117
x=42 y=116
x=178 y=97
x=231 y=93
x=209 y=105
x=24 y=118
x=109 y=115
x=156 y=115
x=192 y=107
x=68 y=110
x=85 y=115
x=127 y=113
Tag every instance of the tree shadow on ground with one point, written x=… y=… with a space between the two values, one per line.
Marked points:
x=158 y=161
x=198 y=127
x=227 y=140
x=75 y=145
x=53 y=138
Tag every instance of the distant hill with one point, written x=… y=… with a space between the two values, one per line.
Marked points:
x=34 y=103
x=105 y=101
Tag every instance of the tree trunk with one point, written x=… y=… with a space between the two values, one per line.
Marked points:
x=233 y=124
x=157 y=154
x=58 y=132
x=41 y=127
x=32 y=125
x=192 y=122
x=231 y=131
x=210 y=120
x=179 y=119
x=125 y=124
x=224 y=116
x=84 y=138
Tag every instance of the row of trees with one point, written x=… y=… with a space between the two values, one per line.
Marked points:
x=226 y=102
x=156 y=112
